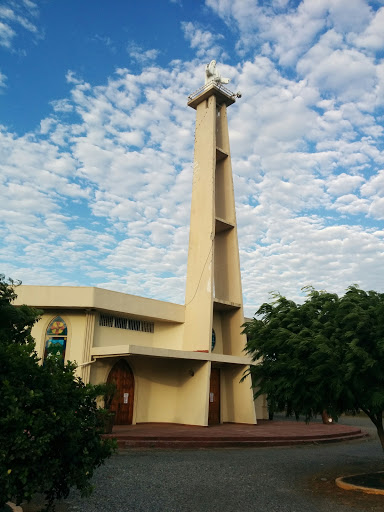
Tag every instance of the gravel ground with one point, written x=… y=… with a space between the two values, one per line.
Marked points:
x=280 y=479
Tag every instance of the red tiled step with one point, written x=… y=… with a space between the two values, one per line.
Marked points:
x=265 y=433
x=220 y=443
x=234 y=438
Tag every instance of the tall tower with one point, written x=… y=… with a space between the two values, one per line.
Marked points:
x=213 y=300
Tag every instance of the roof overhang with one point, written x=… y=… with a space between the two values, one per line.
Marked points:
x=82 y=297
x=140 y=350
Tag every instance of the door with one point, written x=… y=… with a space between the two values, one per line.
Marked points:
x=121 y=374
x=214 y=397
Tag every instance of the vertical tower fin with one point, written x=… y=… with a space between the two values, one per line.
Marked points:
x=213 y=289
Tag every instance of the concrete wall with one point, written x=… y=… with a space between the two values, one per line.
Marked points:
x=193 y=398
x=166 y=335
x=199 y=286
x=233 y=341
x=236 y=397
x=219 y=334
x=110 y=336
x=80 y=297
x=76 y=324
x=166 y=390
x=156 y=381
x=261 y=407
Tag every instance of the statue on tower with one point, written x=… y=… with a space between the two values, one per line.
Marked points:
x=213 y=75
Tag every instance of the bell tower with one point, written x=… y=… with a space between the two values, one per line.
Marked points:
x=213 y=289
x=213 y=300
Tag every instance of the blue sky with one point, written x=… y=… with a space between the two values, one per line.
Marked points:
x=96 y=141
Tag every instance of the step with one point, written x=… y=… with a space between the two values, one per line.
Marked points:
x=232 y=443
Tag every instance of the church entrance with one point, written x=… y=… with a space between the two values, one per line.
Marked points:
x=122 y=375
x=214 y=397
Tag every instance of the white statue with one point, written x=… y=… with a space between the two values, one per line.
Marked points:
x=212 y=74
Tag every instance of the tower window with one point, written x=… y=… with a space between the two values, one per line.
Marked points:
x=213 y=344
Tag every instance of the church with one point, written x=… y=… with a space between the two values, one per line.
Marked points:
x=171 y=363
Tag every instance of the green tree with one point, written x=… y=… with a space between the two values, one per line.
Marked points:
x=49 y=426
x=324 y=354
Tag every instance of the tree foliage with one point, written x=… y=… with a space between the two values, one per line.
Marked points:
x=327 y=353
x=49 y=426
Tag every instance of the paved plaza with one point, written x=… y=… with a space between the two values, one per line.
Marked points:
x=275 y=479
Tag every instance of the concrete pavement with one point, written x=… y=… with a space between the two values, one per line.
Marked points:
x=276 y=479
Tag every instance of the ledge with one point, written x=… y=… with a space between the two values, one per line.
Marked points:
x=222 y=225
x=220 y=154
x=142 y=350
x=225 y=305
x=83 y=297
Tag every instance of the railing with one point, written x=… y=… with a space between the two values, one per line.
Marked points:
x=206 y=86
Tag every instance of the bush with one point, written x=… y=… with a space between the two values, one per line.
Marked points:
x=326 y=354
x=49 y=426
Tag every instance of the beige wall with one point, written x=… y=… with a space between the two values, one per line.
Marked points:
x=82 y=298
x=166 y=335
x=156 y=385
x=193 y=399
x=76 y=324
x=233 y=341
x=218 y=331
x=110 y=336
x=236 y=397
x=171 y=391
x=199 y=285
x=227 y=268
x=261 y=407
x=166 y=390
x=177 y=391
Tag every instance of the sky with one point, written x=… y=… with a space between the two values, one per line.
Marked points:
x=96 y=141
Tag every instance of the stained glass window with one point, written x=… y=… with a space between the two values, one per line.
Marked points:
x=56 y=339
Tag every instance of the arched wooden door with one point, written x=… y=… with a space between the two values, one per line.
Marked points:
x=121 y=374
x=214 y=397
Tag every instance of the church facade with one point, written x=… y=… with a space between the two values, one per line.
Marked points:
x=171 y=363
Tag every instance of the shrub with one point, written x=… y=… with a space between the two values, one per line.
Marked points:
x=49 y=427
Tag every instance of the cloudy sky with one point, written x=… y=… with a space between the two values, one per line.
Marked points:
x=96 y=141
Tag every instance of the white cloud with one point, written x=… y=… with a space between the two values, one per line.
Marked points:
x=14 y=16
x=62 y=105
x=301 y=252
x=140 y=55
x=323 y=62
x=6 y=35
x=350 y=17
x=375 y=185
x=373 y=36
x=143 y=198
x=100 y=193
x=351 y=204
x=287 y=33
x=205 y=43
x=344 y=183
x=3 y=79
x=376 y=209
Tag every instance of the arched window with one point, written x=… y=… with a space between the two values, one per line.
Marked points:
x=56 y=338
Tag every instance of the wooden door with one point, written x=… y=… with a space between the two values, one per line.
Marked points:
x=121 y=374
x=214 y=397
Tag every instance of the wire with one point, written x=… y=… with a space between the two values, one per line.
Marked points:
x=201 y=275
